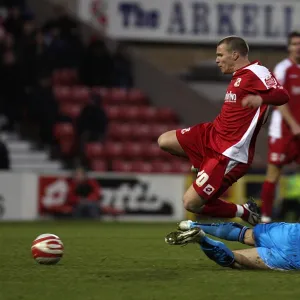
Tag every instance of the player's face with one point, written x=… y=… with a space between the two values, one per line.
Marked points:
x=225 y=59
x=294 y=49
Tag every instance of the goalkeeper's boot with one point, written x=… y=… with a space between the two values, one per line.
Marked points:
x=194 y=235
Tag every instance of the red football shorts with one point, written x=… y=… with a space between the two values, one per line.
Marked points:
x=216 y=171
x=284 y=150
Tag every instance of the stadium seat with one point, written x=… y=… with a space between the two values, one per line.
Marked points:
x=62 y=94
x=98 y=165
x=179 y=166
x=120 y=131
x=153 y=151
x=148 y=114
x=66 y=146
x=63 y=130
x=104 y=93
x=65 y=77
x=71 y=110
x=118 y=96
x=166 y=115
x=129 y=113
x=133 y=150
x=94 y=150
x=113 y=112
x=113 y=149
x=142 y=166
x=121 y=166
x=157 y=130
x=141 y=131
x=80 y=94
x=136 y=97
x=162 y=166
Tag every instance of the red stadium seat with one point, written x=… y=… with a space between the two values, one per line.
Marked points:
x=141 y=131
x=113 y=149
x=63 y=131
x=98 y=165
x=142 y=166
x=162 y=166
x=104 y=93
x=157 y=130
x=80 y=94
x=153 y=151
x=133 y=150
x=130 y=113
x=66 y=146
x=136 y=97
x=121 y=166
x=166 y=115
x=120 y=131
x=119 y=96
x=148 y=114
x=113 y=112
x=62 y=94
x=71 y=110
x=94 y=150
x=65 y=77
x=179 y=166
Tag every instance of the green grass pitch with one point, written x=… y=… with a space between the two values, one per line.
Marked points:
x=125 y=261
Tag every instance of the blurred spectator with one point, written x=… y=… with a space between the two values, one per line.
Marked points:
x=97 y=65
x=14 y=22
x=63 y=38
x=122 y=68
x=12 y=90
x=43 y=109
x=4 y=157
x=67 y=26
x=84 y=195
x=92 y=122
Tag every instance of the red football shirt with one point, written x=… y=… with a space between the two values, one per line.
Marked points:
x=288 y=74
x=233 y=133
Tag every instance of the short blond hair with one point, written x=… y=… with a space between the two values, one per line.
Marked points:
x=236 y=43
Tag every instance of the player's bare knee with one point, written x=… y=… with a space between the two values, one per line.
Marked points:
x=163 y=141
x=192 y=205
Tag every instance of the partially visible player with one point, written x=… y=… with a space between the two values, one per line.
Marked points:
x=276 y=245
x=284 y=130
x=223 y=150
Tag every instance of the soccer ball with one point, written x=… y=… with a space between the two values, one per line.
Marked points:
x=47 y=249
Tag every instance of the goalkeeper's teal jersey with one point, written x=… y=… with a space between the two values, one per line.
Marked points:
x=278 y=245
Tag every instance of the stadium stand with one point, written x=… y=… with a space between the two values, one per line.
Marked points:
x=66 y=101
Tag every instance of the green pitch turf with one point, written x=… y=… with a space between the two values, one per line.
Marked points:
x=125 y=261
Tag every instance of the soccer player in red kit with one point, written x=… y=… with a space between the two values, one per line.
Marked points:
x=284 y=130
x=223 y=150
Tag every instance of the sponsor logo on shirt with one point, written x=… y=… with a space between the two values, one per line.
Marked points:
x=209 y=189
x=230 y=97
x=270 y=82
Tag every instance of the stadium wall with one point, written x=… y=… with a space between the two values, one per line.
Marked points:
x=136 y=197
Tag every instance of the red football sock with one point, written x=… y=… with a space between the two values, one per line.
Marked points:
x=219 y=208
x=267 y=198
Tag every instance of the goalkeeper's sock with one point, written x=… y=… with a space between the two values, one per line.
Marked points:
x=226 y=231
x=217 y=251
